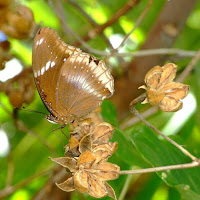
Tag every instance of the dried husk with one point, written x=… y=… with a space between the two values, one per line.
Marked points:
x=18 y=22
x=90 y=169
x=162 y=91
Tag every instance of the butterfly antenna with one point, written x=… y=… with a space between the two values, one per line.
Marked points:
x=29 y=110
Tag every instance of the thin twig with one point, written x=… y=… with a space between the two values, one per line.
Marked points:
x=58 y=8
x=189 y=67
x=181 y=78
x=42 y=194
x=99 y=29
x=137 y=23
x=150 y=52
x=157 y=169
x=10 y=171
x=11 y=189
x=94 y=24
x=22 y=127
x=162 y=51
x=133 y=120
x=130 y=178
x=90 y=19
x=134 y=111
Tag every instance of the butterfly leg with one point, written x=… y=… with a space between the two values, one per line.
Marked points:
x=60 y=128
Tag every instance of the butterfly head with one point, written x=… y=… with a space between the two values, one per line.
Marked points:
x=52 y=119
x=55 y=120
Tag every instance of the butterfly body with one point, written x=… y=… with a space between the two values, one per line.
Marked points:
x=71 y=83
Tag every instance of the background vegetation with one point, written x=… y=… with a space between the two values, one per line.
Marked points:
x=27 y=139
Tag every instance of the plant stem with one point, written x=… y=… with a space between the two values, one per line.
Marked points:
x=137 y=23
x=162 y=168
x=137 y=100
x=187 y=153
x=189 y=67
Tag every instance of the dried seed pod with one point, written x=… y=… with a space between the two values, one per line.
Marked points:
x=162 y=91
x=5 y=3
x=18 y=23
x=16 y=99
x=86 y=158
x=87 y=136
x=20 y=89
x=90 y=172
x=4 y=54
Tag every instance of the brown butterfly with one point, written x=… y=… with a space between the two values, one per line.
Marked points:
x=71 y=83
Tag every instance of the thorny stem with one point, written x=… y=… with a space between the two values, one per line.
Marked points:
x=134 y=111
x=195 y=163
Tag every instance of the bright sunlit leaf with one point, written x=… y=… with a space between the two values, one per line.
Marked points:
x=43 y=14
x=22 y=51
x=20 y=195
x=137 y=36
x=161 y=194
x=192 y=20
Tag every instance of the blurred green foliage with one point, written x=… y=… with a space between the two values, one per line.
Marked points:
x=138 y=147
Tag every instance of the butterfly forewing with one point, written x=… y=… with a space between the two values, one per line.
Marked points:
x=49 y=54
x=70 y=82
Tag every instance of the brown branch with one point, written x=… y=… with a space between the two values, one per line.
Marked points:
x=137 y=23
x=100 y=28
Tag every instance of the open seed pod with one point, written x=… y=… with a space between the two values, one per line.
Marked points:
x=162 y=91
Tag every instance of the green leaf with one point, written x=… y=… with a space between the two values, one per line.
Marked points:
x=109 y=113
x=161 y=153
x=126 y=152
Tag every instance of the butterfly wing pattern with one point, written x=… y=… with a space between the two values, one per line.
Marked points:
x=71 y=83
